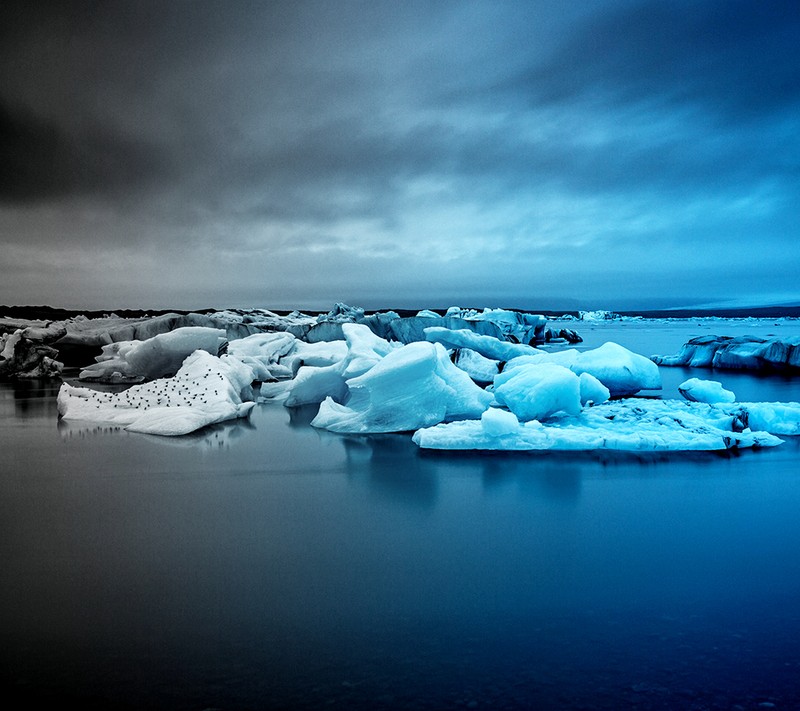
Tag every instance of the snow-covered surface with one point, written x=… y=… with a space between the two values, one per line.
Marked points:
x=630 y=424
x=411 y=387
x=159 y=356
x=699 y=390
x=204 y=391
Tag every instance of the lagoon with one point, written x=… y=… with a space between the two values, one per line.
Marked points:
x=266 y=564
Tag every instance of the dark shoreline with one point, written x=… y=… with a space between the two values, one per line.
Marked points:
x=51 y=313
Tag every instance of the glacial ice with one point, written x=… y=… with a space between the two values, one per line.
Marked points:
x=27 y=352
x=710 y=391
x=629 y=424
x=411 y=387
x=487 y=346
x=159 y=356
x=537 y=391
x=360 y=351
x=741 y=352
x=618 y=369
x=205 y=390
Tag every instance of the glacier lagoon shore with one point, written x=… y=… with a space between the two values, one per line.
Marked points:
x=263 y=563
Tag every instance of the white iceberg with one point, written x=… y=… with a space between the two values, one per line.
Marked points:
x=411 y=387
x=620 y=370
x=537 y=391
x=279 y=356
x=156 y=357
x=699 y=390
x=205 y=390
x=478 y=367
x=487 y=346
x=630 y=424
x=780 y=418
x=360 y=351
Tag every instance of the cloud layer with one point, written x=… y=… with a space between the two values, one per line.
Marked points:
x=229 y=153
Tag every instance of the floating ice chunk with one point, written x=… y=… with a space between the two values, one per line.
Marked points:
x=313 y=385
x=263 y=353
x=781 y=418
x=478 y=367
x=487 y=346
x=743 y=353
x=364 y=349
x=497 y=422
x=159 y=356
x=592 y=390
x=360 y=351
x=413 y=386
x=630 y=424
x=205 y=390
x=709 y=391
x=620 y=370
x=536 y=391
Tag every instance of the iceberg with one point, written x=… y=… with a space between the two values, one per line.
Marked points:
x=742 y=352
x=205 y=390
x=710 y=391
x=159 y=356
x=487 y=346
x=28 y=352
x=631 y=425
x=481 y=369
x=279 y=356
x=360 y=351
x=537 y=391
x=411 y=387
x=623 y=372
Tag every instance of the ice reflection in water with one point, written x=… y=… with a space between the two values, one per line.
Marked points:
x=271 y=565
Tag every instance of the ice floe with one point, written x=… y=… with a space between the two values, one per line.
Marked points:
x=411 y=387
x=159 y=356
x=741 y=352
x=487 y=346
x=205 y=390
x=629 y=424
x=27 y=352
x=618 y=369
x=699 y=390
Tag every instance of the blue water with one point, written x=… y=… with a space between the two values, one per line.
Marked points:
x=270 y=565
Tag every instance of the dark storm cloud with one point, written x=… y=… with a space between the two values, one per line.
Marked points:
x=41 y=160
x=272 y=134
x=737 y=60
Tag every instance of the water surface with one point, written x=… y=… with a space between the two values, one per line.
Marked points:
x=269 y=565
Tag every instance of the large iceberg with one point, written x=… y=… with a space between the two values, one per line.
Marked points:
x=159 y=356
x=629 y=424
x=411 y=387
x=360 y=351
x=534 y=392
x=742 y=353
x=205 y=390
x=620 y=370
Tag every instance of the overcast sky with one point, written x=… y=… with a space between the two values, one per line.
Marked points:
x=589 y=154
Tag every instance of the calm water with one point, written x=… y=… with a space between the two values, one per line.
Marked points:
x=270 y=565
